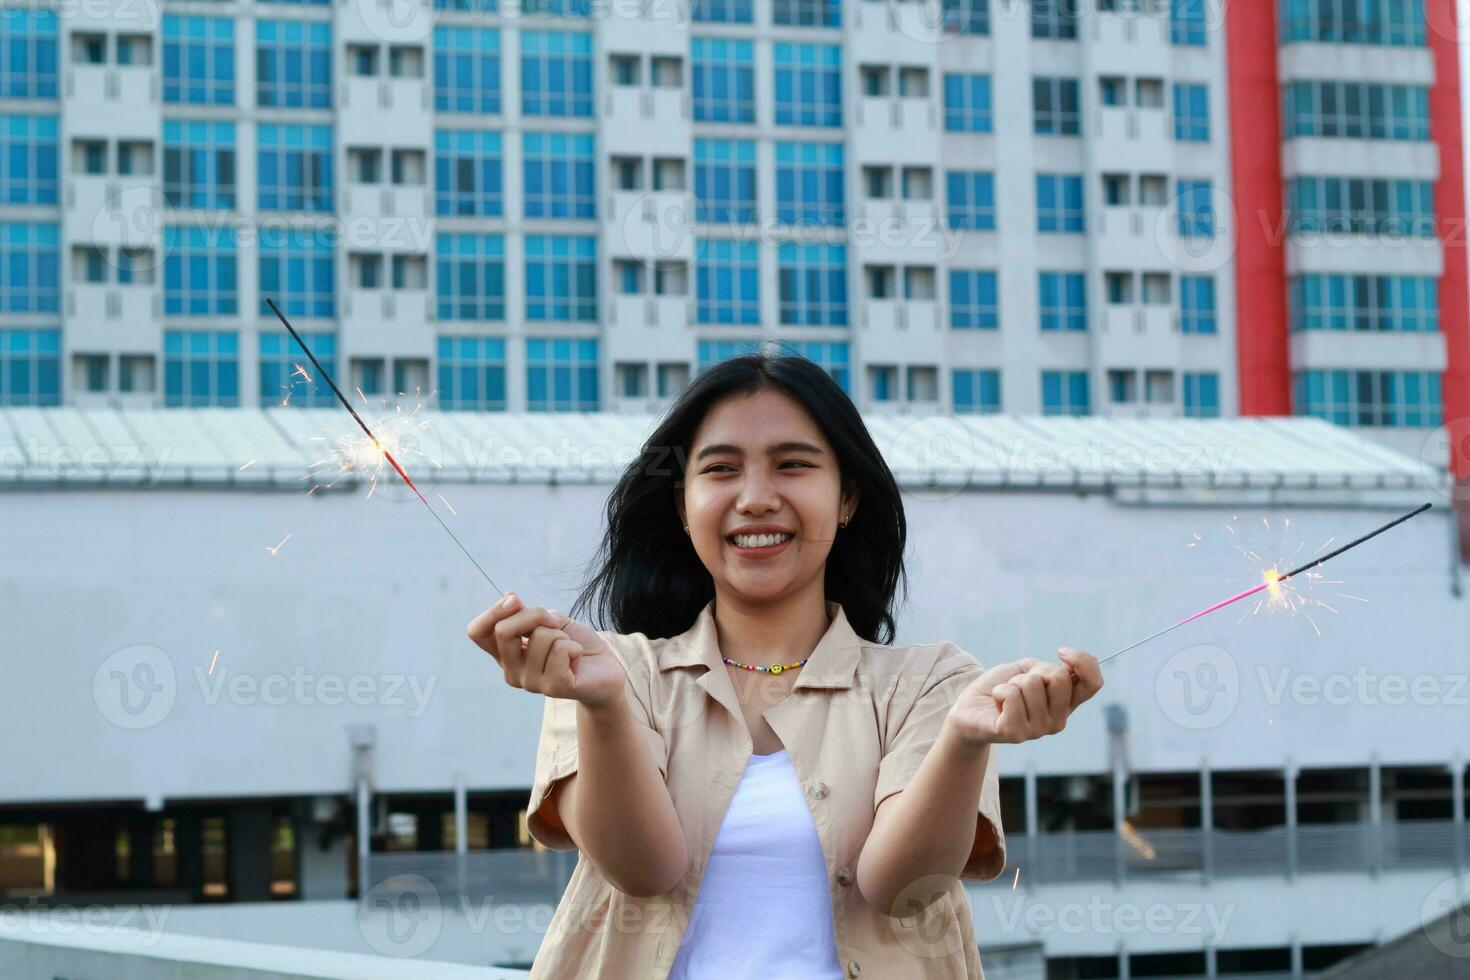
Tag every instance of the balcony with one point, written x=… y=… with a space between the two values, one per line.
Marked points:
x=1133 y=138
x=647 y=121
x=385 y=201
x=113 y=316
x=657 y=312
x=651 y=224
x=1131 y=44
x=904 y=130
x=1134 y=334
x=121 y=102
x=373 y=109
x=901 y=331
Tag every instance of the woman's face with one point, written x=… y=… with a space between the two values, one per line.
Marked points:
x=759 y=461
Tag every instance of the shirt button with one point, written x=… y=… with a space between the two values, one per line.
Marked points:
x=844 y=876
x=854 y=969
x=820 y=792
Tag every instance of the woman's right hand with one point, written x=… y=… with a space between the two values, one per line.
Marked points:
x=546 y=652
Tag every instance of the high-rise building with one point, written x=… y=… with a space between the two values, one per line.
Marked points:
x=1128 y=207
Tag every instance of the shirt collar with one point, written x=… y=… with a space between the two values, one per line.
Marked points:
x=831 y=664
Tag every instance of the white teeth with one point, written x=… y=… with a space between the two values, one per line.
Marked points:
x=761 y=540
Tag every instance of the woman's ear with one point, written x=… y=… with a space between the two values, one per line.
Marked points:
x=850 y=500
x=679 y=505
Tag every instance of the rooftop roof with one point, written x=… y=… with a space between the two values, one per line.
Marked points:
x=289 y=447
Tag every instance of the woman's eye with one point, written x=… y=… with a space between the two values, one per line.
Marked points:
x=797 y=462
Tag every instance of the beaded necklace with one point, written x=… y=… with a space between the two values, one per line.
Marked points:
x=773 y=669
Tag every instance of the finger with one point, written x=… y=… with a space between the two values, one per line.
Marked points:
x=1058 y=696
x=510 y=629
x=1011 y=718
x=1033 y=688
x=1001 y=673
x=482 y=628
x=557 y=673
x=1086 y=670
x=537 y=650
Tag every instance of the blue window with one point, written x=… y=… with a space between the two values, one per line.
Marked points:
x=1197 y=304
x=1391 y=22
x=469 y=6
x=294 y=167
x=30 y=267
x=1056 y=108
x=558 y=176
x=1361 y=205
x=967 y=107
x=723 y=77
x=808 y=84
x=470 y=271
x=472 y=374
x=293 y=64
x=1188 y=22
x=1065 y=393
x=806 y=13
x=287 y=376
x=561 y=375
x=813 y=284
x=1055 y=19
x=28 y=52
x=1059 y=202
x=30 y=367
x=1191 y=112
x=976 y=392
x=1201 y=394
x=1373 y=398
x=970 y=199
x=28 y=160
x=712 y=352
x=974 y=299
x=561 y=277
x=315 y=3
x=809 y=181
x=965 y=16
x=831 y=355
x=1357 y=110
x=467 y=173
x=1398 y=304
x=723 y=11
x=727 y=279
x=724 y=181
x=556 y=8
x=199 y=164
x=296 y=270
x=200 y=272
x=466 y=69
x=199 y=60
x=201 y=368
x=556 y=73
x=1062 y=297
x=1196 y=215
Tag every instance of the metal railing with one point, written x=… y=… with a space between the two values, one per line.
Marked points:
x=524 y=875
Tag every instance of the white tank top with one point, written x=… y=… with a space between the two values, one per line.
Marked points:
x=764 y=901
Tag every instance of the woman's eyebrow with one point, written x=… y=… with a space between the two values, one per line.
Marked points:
x=726 y=449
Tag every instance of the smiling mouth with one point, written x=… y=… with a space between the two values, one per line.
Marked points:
x=757 y=542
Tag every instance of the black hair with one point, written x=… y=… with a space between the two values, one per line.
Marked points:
x=647 y=577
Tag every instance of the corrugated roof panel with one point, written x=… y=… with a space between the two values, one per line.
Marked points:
x=207 y=445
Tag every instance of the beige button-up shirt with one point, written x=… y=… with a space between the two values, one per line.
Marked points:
x=857 y=724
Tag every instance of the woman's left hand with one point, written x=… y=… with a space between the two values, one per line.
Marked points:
x=1025 y=699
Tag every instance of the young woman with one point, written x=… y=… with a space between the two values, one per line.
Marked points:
x=760 y=782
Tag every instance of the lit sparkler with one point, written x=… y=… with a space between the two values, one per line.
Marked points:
x=373 y=451
x=1273 y=582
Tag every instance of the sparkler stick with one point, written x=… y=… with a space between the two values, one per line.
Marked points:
x=376 y=444
x=1271 y=580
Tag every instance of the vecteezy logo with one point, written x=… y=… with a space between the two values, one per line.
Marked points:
x=135 y=687
x=1450 y=900
x=401 y=916
x=1198 y=687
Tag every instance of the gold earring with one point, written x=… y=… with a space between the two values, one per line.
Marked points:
x=686 y=528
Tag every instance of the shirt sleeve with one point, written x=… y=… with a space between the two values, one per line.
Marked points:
x=953 y=670
x=556 y=752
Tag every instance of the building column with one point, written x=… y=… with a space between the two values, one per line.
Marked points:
x=249 y=838
x=1207 y=822
x=1291 y=841
x=1375 y=815
x=1457 y=809
x=461 y=830
x=1033 y=829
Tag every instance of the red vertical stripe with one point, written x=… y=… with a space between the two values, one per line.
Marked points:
x=1262 y=351
x=1447 y=129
